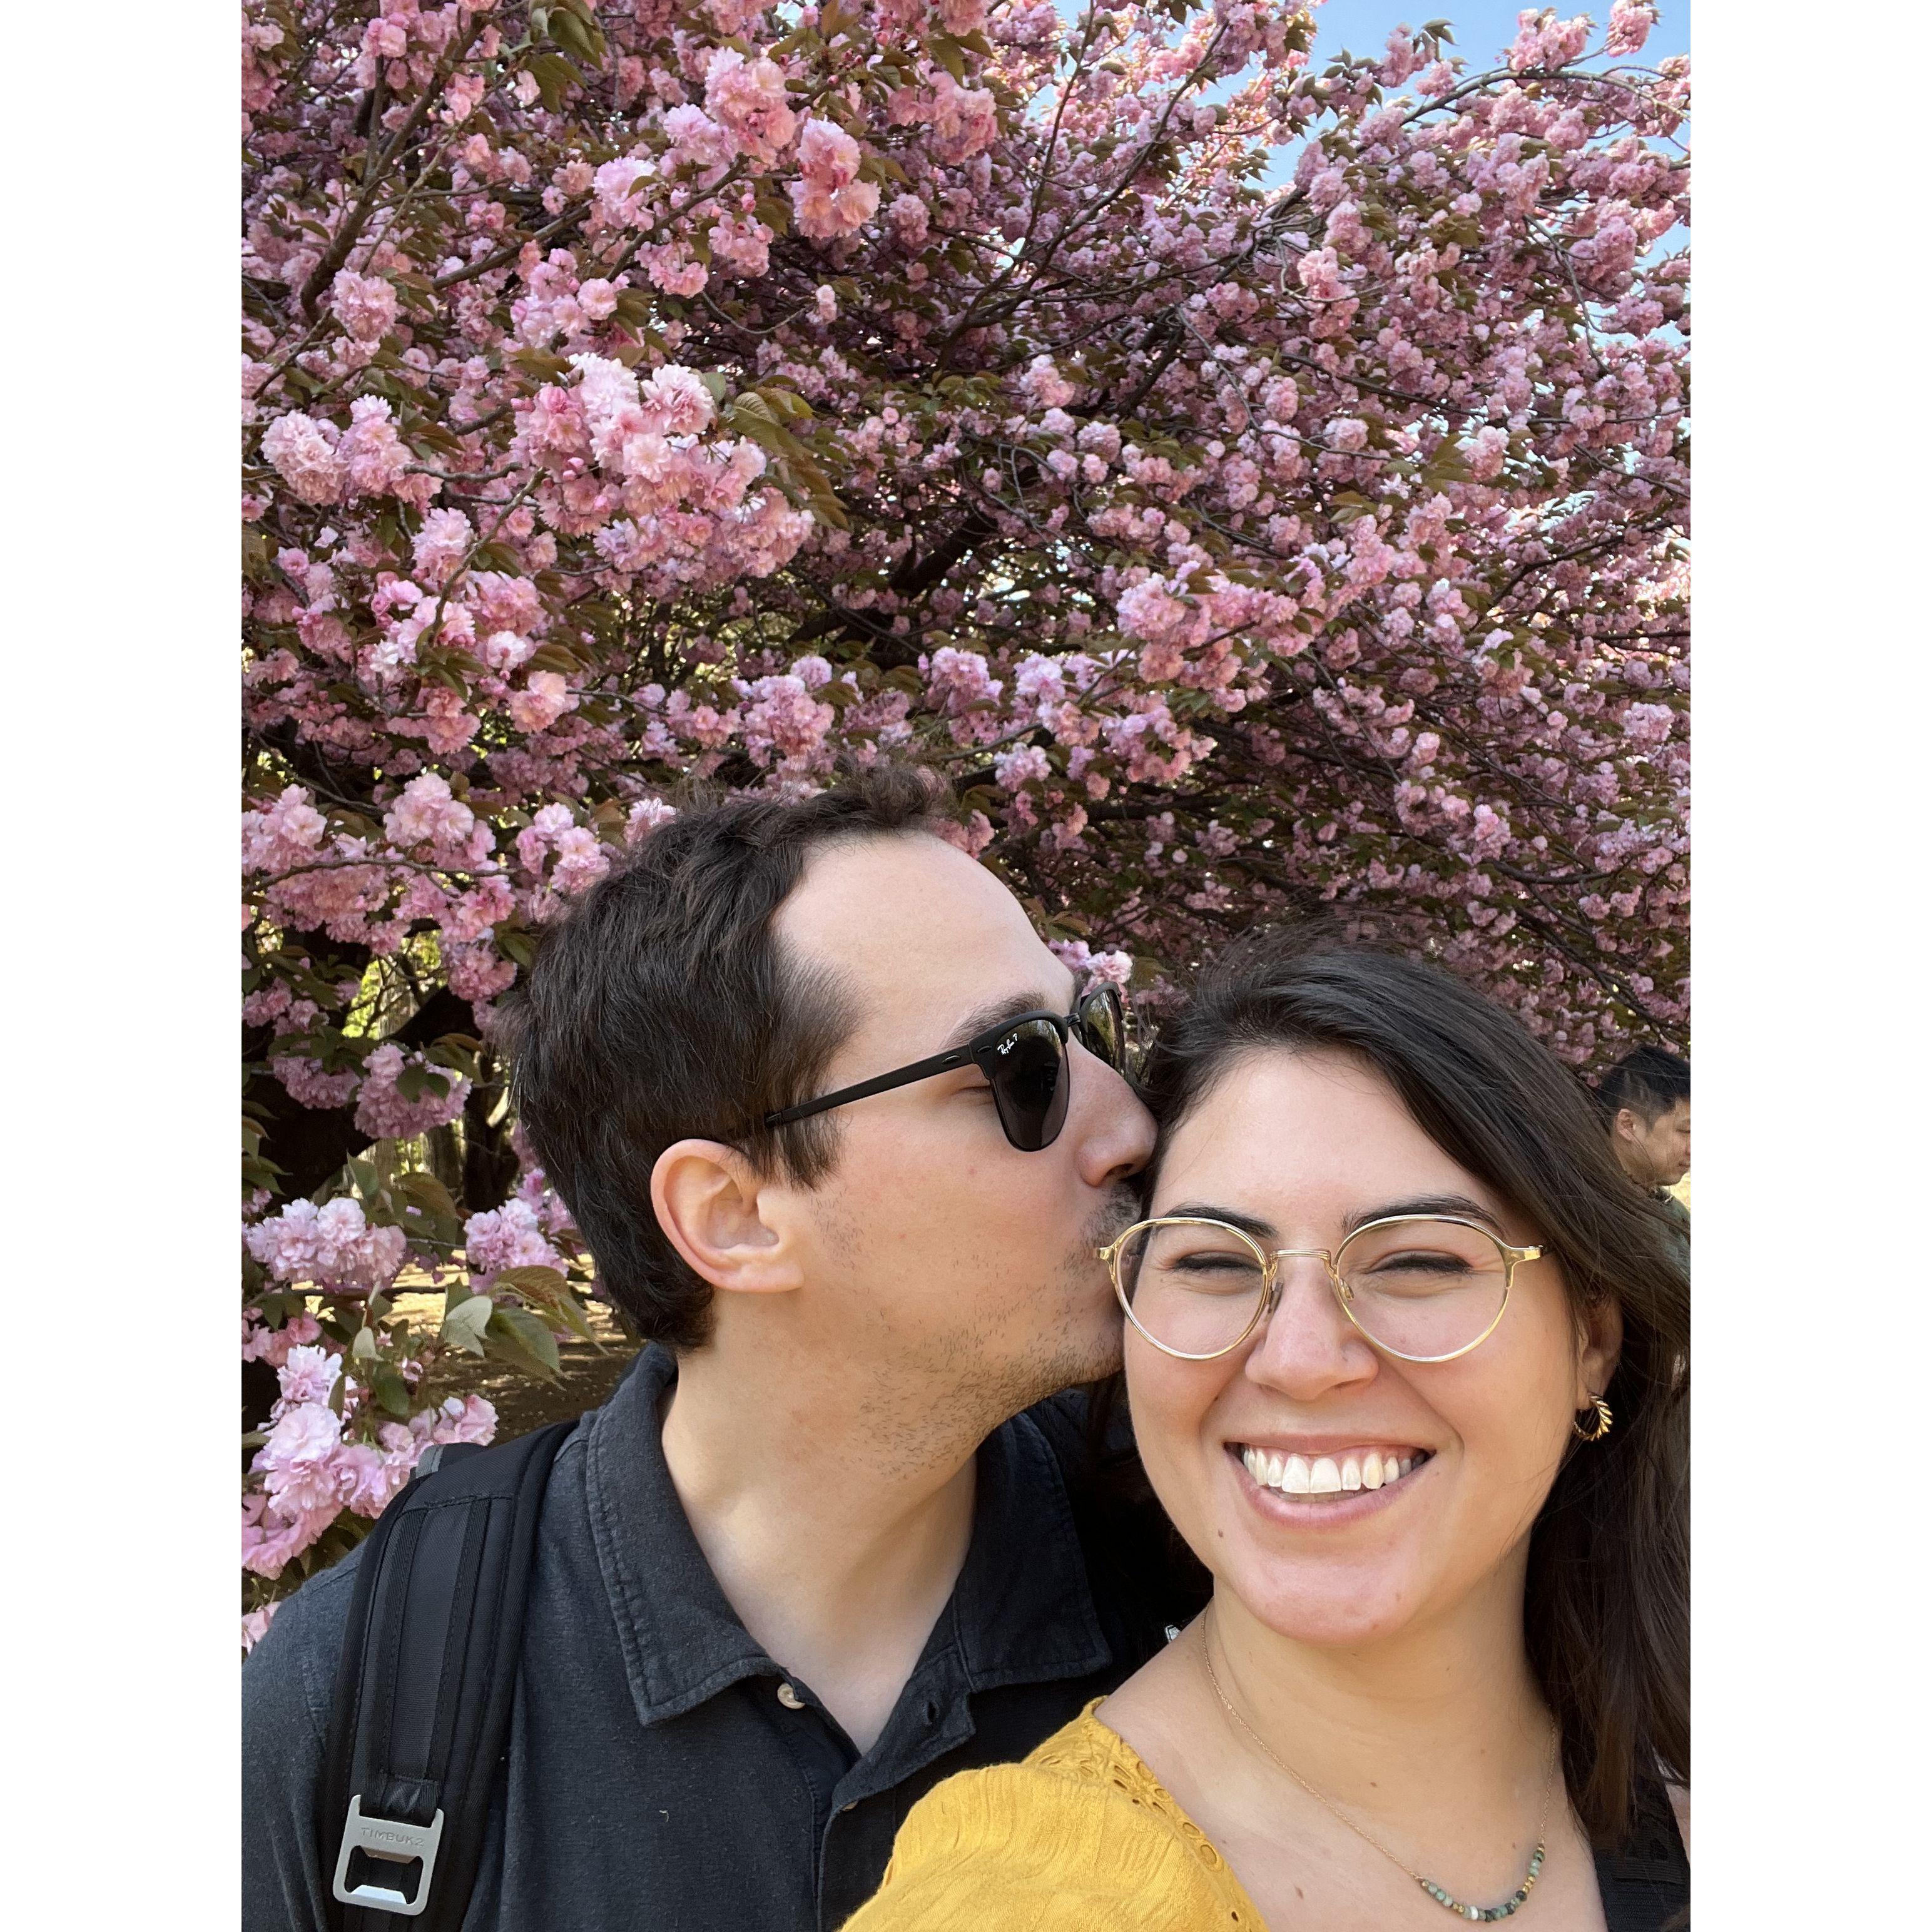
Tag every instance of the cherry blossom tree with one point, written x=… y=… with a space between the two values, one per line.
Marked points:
x=1259 y=481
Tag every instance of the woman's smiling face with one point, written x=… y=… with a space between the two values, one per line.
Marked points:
x=1305 y=1146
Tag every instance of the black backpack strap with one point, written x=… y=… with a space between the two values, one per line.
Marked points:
x=423 y=1691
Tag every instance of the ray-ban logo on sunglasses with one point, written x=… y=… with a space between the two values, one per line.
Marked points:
x=1005 y=1045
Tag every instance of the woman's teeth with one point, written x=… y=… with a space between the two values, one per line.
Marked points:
x=1330 y=1475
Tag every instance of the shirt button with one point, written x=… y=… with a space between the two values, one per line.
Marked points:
x=790 y=1698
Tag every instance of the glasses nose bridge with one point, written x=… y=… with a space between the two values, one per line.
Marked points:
x=1277 y=1282
x=1331 y=1294
x=1326 y=1256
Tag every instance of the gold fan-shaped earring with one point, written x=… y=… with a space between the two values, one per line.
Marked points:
x=1599 y=1418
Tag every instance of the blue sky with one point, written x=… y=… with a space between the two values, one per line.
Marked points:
x=1482 y=28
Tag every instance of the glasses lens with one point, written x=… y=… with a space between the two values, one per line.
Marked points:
x=1194 y=1286
x=1101 y=1018
x=1424 y=1288
x=1027 y=1069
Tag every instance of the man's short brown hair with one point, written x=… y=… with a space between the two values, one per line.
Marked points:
x=662 y=1007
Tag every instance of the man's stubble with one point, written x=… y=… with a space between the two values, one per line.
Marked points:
x=951 y=1382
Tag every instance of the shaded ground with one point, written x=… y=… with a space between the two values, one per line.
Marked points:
x=522 y=1402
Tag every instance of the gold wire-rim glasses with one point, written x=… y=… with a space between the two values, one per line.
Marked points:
x=1269 y=1258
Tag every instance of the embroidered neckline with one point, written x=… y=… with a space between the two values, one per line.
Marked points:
x=1090 y=1750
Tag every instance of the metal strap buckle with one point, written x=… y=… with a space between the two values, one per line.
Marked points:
x=396 y=1842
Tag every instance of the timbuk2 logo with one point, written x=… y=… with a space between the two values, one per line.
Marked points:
x=376 y=1834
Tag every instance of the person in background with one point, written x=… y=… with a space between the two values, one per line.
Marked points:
x=1646 y=1101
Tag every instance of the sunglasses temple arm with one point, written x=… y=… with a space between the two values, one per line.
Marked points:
x=901 y=1076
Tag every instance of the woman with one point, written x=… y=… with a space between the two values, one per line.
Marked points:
x=1409 y=1364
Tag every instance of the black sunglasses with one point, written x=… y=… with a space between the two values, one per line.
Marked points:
x=1025 y=1063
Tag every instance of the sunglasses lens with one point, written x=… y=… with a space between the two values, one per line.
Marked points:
x=1027 y=1069
x=1102 y=1020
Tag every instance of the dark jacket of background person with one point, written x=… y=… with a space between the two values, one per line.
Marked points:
x=663 y=1771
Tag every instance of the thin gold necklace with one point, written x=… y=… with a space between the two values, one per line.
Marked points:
x=1480 y=1915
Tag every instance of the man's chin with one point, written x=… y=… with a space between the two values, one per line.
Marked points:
x=1096 y=1356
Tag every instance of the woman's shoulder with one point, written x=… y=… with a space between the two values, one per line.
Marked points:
x=1080 y=1837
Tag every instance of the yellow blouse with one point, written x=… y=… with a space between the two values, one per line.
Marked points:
x=1079 y=1838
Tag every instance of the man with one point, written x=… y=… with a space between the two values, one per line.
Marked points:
x=811 y=1558
x=1646 y=1101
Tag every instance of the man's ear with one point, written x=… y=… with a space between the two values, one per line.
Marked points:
x=1601 y=1341
x=1628 y=1126
x=715 y=1208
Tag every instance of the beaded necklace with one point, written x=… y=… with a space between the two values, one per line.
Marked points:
x=1477 y=1914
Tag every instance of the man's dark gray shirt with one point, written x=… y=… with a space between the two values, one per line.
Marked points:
x=664 y=1772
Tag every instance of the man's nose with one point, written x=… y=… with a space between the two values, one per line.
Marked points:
x=1116 y=1132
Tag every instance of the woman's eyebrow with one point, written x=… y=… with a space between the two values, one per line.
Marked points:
x=1458 y=1205
x=1203 y=1210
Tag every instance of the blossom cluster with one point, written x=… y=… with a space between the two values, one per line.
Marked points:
x=694 y=389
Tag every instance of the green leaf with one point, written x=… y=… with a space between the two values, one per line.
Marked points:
x=540 y=1284
x=463 y=1326
x=515 y=1335
x=827 y=508
x=363 y=1349
x=577 y=31
x=535 y=362
x=414 y=1082
x=634 y=308
x=429 y=1194
x=554 y=76
x=546 y=1287
x=456 y=1051
x=516 y=945
x=391 y=1391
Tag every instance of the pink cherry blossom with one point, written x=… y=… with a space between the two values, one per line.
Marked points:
x=332 y=1246
x=544 y=698
x=304 y=453
x=828 y=200
x=307 y=1375
x=749 y=98
x=383 y=1111
x=469 y=1418
x=365 y=305
x=298 y=1462
x=1295 y=515
x=510 y=1236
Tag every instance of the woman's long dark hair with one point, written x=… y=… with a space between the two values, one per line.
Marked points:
x=1607 y=1608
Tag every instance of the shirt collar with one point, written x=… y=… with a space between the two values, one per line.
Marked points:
x=1021 y=1611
